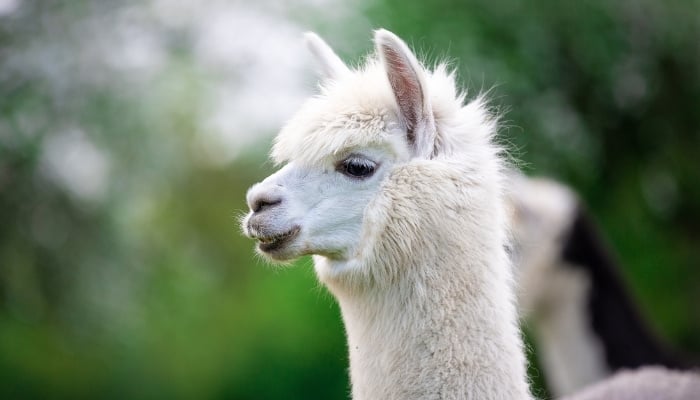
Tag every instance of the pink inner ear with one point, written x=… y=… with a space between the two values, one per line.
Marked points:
x=407 y=89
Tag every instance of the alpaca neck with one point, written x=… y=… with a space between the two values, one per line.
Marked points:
x=440 y=339
x=444 y=324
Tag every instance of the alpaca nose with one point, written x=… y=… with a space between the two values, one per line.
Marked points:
x=259 y=199
x=261 y=203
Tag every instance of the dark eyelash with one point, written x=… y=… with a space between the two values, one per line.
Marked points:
x=357 y=167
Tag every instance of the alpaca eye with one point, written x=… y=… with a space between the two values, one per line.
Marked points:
x=357 y=167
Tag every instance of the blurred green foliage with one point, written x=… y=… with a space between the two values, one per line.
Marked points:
x=144 y=288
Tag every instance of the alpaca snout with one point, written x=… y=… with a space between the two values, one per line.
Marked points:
x=267 y=220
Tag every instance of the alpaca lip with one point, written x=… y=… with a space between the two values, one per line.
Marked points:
x=272 y=243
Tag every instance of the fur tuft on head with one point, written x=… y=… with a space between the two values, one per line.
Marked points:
x=393 y=94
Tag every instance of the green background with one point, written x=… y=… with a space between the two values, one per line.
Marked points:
x=143 y=286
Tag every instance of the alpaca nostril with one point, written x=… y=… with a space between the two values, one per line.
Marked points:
x=262 y=203
x=262 y=196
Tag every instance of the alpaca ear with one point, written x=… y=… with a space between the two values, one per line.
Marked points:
x=407 y=79
x=332 y=67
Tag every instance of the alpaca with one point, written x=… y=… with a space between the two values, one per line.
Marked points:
x=396 y=188
x=572 y=292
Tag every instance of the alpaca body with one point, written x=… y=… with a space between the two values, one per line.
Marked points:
x=573 y=293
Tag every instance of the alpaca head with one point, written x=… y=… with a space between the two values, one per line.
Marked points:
x=344 y=145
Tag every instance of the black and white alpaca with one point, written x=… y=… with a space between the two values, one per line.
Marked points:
x=396 y=188
x=573 y=294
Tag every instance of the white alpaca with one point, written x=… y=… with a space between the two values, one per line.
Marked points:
x=395 y=187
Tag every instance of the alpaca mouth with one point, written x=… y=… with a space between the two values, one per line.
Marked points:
x=271 y=243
